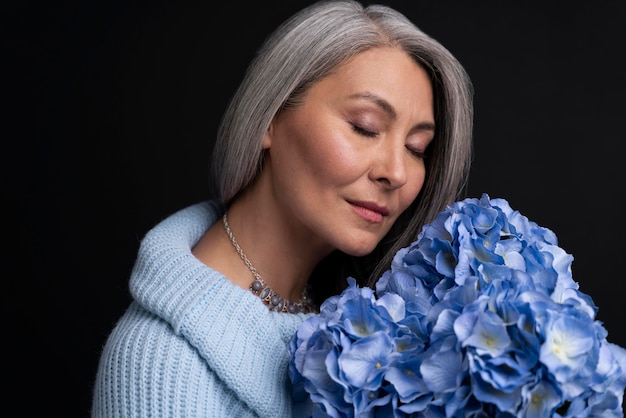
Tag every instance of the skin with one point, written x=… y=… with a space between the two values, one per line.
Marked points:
x=338 y=171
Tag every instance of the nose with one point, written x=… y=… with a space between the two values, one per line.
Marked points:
x=389 y=165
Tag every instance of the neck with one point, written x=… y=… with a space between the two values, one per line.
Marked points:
x=281 y=257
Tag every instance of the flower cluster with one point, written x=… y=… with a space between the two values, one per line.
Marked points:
x=479 y=317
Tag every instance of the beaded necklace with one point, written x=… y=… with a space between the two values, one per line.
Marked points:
x=273 y=300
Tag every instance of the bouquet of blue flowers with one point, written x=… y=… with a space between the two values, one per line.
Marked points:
x=479 y=317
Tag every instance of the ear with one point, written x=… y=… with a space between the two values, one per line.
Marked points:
x=267 y=138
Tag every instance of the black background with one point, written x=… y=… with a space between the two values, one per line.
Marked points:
x=110 y=113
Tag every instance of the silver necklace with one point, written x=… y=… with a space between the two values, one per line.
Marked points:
x=273 y=300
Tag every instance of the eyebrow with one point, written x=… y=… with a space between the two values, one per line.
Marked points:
x=389 y=109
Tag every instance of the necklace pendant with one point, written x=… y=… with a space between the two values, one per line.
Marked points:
x=256 y=287
x=265 y=294
x=277 y=303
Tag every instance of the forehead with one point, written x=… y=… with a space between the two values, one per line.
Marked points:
x=375 y=70
x=385 y=72
x=380 y=66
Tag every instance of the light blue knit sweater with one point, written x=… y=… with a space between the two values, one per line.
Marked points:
x=192 y=344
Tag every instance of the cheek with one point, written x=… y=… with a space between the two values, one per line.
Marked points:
x=322 y=155
x=336 y=159
x=412 y=188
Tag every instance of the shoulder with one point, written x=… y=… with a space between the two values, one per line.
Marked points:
x=192 y=221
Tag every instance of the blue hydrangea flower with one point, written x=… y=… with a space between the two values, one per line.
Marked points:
x=479 y=317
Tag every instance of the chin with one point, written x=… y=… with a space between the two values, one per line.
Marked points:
x=357 y=243
x=359 y=250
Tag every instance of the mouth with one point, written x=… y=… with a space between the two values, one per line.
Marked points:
x=370 y=211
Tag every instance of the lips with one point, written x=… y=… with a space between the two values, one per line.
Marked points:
x=370 y=211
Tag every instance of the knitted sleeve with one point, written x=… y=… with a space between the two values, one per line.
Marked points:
x=148 y=371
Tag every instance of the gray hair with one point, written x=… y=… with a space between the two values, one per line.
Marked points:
x=305 y=49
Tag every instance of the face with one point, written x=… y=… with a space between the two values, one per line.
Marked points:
x=347 y=161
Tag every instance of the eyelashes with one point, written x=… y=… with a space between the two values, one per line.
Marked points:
x=418 y=154
x=371 y=134
x=362 y=131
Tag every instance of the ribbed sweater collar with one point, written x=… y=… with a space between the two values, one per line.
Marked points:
x=233 y=331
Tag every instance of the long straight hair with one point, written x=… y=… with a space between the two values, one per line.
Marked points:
x=302 y=51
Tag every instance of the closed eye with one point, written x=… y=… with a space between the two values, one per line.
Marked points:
x=363 y=131
x=418 y=154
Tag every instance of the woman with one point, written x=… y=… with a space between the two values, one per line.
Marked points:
x=350 y=130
